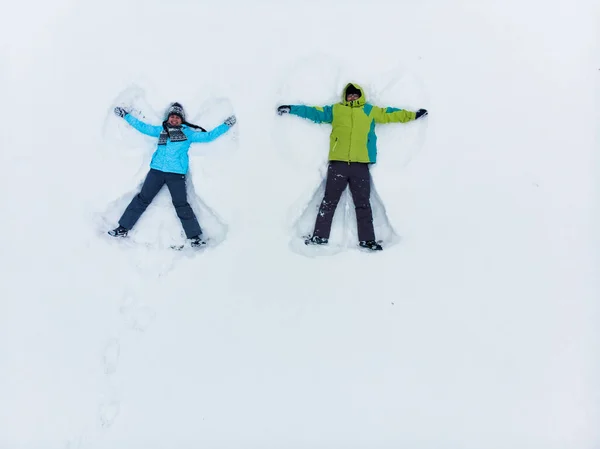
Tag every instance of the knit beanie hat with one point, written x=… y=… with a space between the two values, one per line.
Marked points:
x=176 y=109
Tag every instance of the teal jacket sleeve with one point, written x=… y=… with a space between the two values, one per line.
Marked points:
x=144 y=128
x=199 y=136
x=318 y=114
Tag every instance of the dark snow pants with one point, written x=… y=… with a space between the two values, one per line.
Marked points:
x=339 y=175
x=152 y=185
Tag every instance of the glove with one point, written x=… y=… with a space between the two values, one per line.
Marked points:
x=230 y=121
x=121 y=112
x=283 y=110
x=421 y=113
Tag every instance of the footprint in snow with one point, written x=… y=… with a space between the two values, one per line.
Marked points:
x=112 y=351
x=75 y=443
x=108 y=412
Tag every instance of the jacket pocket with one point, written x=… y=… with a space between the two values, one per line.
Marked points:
x=335 y=143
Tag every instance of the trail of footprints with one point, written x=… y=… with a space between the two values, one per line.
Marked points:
x=136 y=317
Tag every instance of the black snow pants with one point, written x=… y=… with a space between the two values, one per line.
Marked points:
x=339 y=175
x=152 y=185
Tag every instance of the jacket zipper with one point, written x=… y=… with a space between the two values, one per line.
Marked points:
x=351 y=129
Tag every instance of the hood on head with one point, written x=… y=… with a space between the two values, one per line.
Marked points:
x=362 y=100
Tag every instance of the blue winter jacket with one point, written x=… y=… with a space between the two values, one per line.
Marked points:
x=173 y=157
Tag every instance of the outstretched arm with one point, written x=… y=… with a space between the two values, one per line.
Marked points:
x=318 y=114
x=392 y=115
x=199 y=136
x=144 y=128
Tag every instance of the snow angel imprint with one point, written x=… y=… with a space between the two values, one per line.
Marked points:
x=352 y=148
x=169 y=166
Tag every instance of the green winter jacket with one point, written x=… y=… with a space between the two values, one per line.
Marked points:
x=353 y=136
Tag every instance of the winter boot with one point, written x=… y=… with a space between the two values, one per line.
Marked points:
x=370 y=244
x=197 y=241
x=119 y=232
x=316 y=240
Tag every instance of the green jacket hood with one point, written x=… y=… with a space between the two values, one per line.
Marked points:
x=356 y=103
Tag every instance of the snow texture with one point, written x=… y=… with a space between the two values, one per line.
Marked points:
x=475 y=328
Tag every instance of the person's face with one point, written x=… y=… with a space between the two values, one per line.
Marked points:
x=174 y=120
x=352 y=97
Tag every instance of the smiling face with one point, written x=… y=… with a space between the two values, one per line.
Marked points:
x=174 y=120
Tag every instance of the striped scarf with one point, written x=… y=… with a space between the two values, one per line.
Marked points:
x=175 y=133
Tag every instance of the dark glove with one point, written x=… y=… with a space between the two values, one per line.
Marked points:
x=421 y=113
x=230 y=121
x=283 y=110
x=120 y=111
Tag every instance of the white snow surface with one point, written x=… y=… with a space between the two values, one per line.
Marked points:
x=475 y=328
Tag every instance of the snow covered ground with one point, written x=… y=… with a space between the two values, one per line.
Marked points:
x=477 y=329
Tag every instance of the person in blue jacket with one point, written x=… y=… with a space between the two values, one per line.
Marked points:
x=169 y=166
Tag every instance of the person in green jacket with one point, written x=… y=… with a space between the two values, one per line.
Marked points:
x=352 y=147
